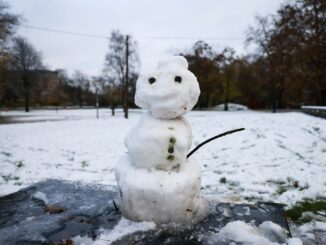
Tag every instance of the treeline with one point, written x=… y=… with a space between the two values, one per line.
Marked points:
x=25 y=81
x=286 y=70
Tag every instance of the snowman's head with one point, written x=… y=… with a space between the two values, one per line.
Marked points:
x=170 y=91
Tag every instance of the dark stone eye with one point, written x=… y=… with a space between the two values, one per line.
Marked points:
x=152 y=80
x=178 y=79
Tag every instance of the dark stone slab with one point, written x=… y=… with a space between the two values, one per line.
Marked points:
x=217 y=219
x=74 y=208
x=23 y=219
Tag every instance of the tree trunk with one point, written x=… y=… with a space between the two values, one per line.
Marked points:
x=207 y=99
x=112 y=109
x=26 y=93
x=273 y=95
x=227 y=92
x=80 y=102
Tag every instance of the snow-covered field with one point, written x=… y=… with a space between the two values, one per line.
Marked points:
x=279 y=157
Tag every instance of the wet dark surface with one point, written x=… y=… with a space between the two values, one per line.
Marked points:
x=24 y=220
x=223 y=214
x=80 y=209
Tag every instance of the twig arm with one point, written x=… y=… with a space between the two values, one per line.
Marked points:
x=213 y=138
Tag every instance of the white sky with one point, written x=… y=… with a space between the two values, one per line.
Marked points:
x=140 y=18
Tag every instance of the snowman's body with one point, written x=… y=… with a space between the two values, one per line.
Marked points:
x=159 y=143
x=156 y=180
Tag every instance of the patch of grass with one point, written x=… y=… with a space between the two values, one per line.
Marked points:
x=291 y=184
x=281 y=189
x=223 y=180
x=295 y=213
x=19 y=164
x=306 y=186
x=276 y=182
x=7 y=154
x=9 y=177
x=84 y=164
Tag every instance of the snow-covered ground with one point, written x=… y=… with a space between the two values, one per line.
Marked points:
x=279 y=157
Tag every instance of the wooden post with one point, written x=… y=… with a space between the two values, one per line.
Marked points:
x=126 y=78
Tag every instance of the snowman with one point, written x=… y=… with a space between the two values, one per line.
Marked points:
x=156 y=181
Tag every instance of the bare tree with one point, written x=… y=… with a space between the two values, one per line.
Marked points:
x=8 y=22
x=120 y=61
x=81 y=82
x=26 y=61
x=225 y=59
x=262 y=35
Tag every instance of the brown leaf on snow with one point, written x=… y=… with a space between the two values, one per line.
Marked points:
x=53 y=209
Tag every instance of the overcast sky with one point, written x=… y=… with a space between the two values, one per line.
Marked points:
x=139 y=18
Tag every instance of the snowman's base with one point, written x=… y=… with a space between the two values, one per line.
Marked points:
x=89 y=209
x=160 y=196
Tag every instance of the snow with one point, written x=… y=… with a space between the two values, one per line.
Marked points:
x=272 y=149
x=275 y=150
x=312 y=226
x=158 y=195
x=175 y=62
x=124 y=227
x=170 y=91
x=149 y=145
x=267 y=233
x=156 y=182
x=41 y=196
x=314 y=107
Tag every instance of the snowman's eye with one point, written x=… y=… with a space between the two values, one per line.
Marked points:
x=151 y=80
x=178 y=79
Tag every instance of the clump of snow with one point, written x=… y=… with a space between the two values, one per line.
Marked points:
x=160 y=196
x=266 y=233
x=174 y=62
x=157 y=143
x=170 y=91
x=123 y=228
x=294 y=241
x=40 y=195
x=312 y=226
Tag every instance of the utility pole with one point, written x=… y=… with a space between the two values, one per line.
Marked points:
x=126 y=78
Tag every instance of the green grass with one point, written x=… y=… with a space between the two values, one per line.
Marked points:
x=296 y=211
x=19 y=164
x=9 y=177
x=223 y=180
x=281 y=189
x=84 y=164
